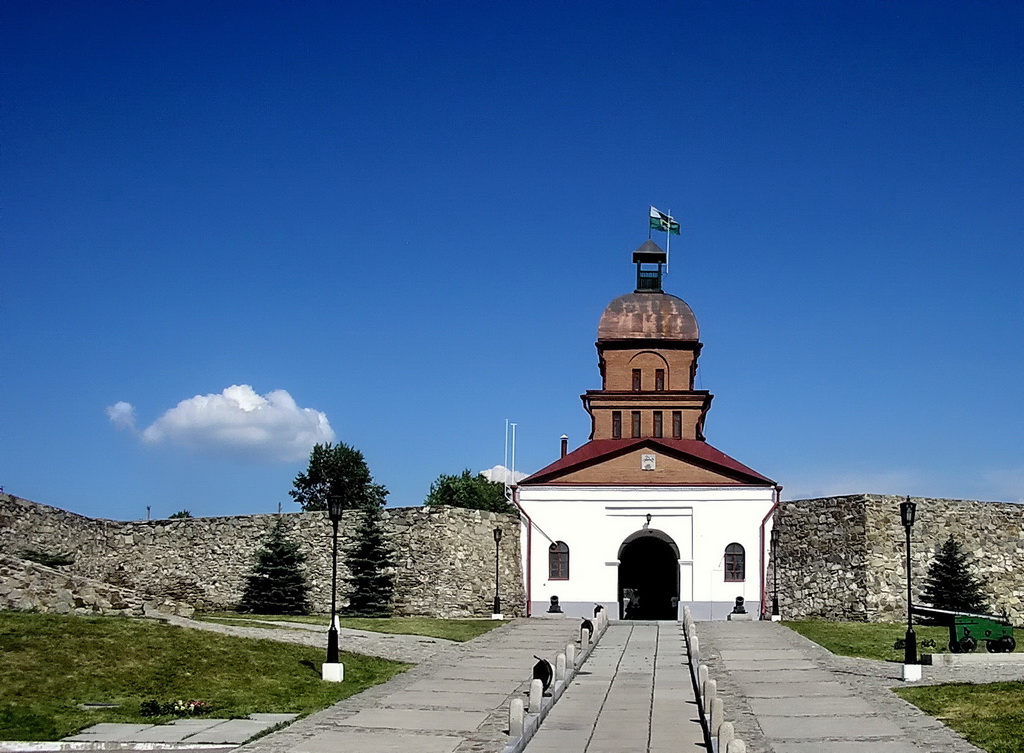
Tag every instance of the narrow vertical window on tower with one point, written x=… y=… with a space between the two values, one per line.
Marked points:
x=657 y=424
x=659 y=380
x=636 y=380
x=735 y=563
x=677 y=424
x=558 y=561
x=636 y=424
x=616 y=424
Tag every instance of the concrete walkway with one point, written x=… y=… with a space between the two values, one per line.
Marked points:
x=407 y=648
x=786 y=694
x=635 y=693
x=456 y=702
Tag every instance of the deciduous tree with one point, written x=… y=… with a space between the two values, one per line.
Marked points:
x=337 y=469
x=469 y=490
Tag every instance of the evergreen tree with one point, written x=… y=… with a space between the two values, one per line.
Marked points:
x=950 y=584
x=277 y=583
x=371 y=582
x=473 y=491
x=337 y=470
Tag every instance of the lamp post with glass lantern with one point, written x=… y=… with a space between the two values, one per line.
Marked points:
x=333 y=670
x=775 y=574
x=496 y=614
x=911 y=667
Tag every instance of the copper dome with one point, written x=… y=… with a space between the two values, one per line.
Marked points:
x=647 y=316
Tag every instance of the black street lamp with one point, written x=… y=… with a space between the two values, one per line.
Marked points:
x=334 y=509
x=907 y=511
x=497 y=599
x=775 y=573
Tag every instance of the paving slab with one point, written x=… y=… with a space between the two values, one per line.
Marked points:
x=423 y=719
x=828 y=727
x=838 y=705
x=377 y=742
x=109 y=732
x=847 y=746
x=233 y=731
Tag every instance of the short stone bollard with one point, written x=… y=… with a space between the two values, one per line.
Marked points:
x=694 y=650
x=717 y=715
x=726 y=734
x=536 y=696
x=515 y=718
x=709 y=695
x=584 y=640
x=560 y=667
x=736 y=746
x=570 y=657
x=702 y=677
x=687 y=616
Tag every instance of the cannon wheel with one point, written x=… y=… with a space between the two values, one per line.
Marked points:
x=994 y=647
x=967 y=644
x=1007 y=644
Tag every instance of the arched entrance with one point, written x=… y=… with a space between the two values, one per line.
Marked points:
x=649 y=577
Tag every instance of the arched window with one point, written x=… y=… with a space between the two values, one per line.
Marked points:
x=735 y=563
x=558 y=561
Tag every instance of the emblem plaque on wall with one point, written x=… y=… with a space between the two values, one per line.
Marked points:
x=647 y=462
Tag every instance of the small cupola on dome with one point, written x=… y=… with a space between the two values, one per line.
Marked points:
x=648 y=280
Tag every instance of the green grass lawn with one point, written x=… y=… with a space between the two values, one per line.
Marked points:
x=990 y=716
x=453 y=630
x=869 y=640
x=51 y=663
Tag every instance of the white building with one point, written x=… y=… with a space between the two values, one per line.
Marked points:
x=646 y=517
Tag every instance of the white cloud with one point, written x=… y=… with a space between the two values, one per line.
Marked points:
x=238 y=423
x=122 y=415
x=503 y=475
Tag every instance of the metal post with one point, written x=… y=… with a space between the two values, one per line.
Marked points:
x=910 y=647
x=775 y=570
x=497 y=543
x=332 y=633
x=908 y=510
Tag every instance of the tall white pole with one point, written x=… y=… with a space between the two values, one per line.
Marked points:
x=668 y=240
x=513 y=453
x=504 y=462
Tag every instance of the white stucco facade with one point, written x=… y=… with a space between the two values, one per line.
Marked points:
x=595 y=522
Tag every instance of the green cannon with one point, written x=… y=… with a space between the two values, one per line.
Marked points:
x=966 y=630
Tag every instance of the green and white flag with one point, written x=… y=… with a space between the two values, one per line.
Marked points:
x=663 y=222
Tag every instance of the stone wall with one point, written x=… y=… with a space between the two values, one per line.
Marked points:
x=26 y=585
x=845 y=557
x=444 y=556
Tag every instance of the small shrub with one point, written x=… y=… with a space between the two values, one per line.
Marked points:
x=154 y=707
x=180 y=514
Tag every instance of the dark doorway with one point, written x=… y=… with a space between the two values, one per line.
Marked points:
x=648 y=579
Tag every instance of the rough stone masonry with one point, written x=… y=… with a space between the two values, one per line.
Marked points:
x=444 y=557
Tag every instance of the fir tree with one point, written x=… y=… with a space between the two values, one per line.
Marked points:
x=277 y=583
x=950 y=583
x=371 y=582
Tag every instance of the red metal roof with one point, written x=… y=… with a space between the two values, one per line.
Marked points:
x=692 y=450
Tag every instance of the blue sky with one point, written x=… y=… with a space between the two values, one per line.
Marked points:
x=408 y=217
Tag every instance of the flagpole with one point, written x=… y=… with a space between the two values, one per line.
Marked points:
x=668 y=240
